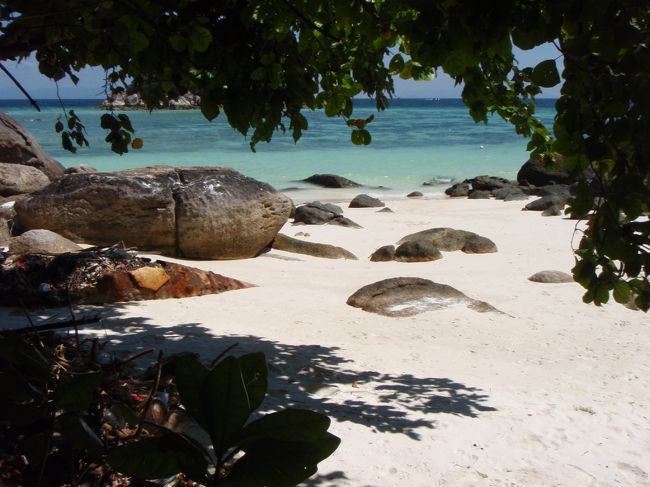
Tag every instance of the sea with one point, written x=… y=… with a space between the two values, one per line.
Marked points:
x=414 y=141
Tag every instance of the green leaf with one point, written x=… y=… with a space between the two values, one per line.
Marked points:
x=189 y=376
x=137 y=41
x=254 y=372
x=545 y=74
x=74 y=429
x=225 y=404
x=125 y=413
x=58 y=126
x=159 y=457
x=178 y=42
x=396 y=64
x=622 y=292
x=200 y=38
x=287 y=425
x=258 y=74
x=361 y=137
x=25 y=357
x=125 y=122
x=75 y=392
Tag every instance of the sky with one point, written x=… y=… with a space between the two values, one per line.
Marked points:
x=91 y=83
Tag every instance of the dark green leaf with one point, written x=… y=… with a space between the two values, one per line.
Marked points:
x=545 y=74
x=396 y=64
x=58 y=126
x=125 y=413
x=200 y=38
x=74 y=429
x=622 y=292
x=287 y=425
x=189 y=375
x=254 y=373
x=125 y=122
x=75 y=392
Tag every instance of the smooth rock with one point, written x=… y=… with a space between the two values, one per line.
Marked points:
x=537 y=173
x=409 y=296
x=479 y=194
x=290 y=244
x=551 y=277
x=365 y=201
x=383 y=254
x=17 y=146
x=415 y=194
x=42 y=242
x=546 y=202
x=449 y=240
x=417 y=251
x=81 y=168
x=458 y=190
x=509 y=193
x=386 y=210
x=7 y=210
x=317 y=213
x=331 y=181
x=20 y=179
x=555 y=210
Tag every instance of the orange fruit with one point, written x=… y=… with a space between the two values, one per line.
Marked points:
x=137 y=143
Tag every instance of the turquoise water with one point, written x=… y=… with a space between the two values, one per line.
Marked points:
x=413 y=141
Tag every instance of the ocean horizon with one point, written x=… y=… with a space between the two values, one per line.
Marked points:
x=414 y=141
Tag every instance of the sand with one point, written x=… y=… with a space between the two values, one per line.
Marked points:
x=552 y=392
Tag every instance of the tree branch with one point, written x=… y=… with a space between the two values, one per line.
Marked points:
x=20 y=87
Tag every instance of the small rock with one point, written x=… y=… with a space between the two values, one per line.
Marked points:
x=551 y=277
x=449 y=240
x=383 y=254
x=289 y=244
x=545 y=202
x=554 y=210
x=5 y=233
x=414 y=194
x=386 y=210
x=366 y=201
x=417 y=251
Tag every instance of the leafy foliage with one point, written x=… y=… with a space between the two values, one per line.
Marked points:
x=261 y=63
x=71 y=425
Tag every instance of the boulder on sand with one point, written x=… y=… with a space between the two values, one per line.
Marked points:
x=317 y=213
x=366 y=201
x=200 y=213
x=449 y=240
x=417 y=251
x=290 y=244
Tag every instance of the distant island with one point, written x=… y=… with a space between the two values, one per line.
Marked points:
x=132 y=100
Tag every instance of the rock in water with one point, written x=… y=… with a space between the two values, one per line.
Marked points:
x=331 y=181
x=449 y=240
x=409 y=296
x=199 y=213
x=289 y=244
x=17 y=146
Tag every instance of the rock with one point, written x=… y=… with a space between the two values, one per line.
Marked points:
x=331 y=181
x=546 y=202
x=386 y=210
x=289 y=244
x=81 y=168
x=201 y=213
x=20 y=179
x=458 y=190
x=317 y=213
x=42 y=242
x=479 y=194
x=414 y=194
x=509 y=193
x=5 y=233
x=365 y=201
x=449 y=240
x=551 y=277
x=383 y=254
x=438 y=180
x=17 y=146
x=417 y=251
x=489 y=183
x=7 y=210
x=555 y=210
x=536 y=173
x=562 y=190
x=408 y=296
x=152 y=278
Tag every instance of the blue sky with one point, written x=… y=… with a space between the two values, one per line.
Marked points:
x=91 y=84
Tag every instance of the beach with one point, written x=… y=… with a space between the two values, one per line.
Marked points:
x=547 y=391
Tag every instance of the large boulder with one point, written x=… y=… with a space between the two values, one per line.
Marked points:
x=290 y=244
x=20 y=179
x=449 y=240
x=201 y=213
x=17 y=146
x=540 y=173
x=408 y=296
x=331 y=181
x=42 y=242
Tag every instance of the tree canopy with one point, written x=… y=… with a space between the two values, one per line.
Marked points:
x=261 y=63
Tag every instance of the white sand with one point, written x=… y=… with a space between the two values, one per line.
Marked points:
x=555 y=392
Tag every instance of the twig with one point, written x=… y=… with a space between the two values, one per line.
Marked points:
x=55 y=326
x=150 y=398
x=308 y=21
x=20 y=87
x=220 y=356
x=134 y=357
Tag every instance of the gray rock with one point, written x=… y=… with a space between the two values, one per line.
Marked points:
x=81 y=168
x=7 y=210
x=408 y=296
x=42 y=242
x=555 y=210
x=5 y=233
x=563 y=190
x=17 y=146
x=509 y=193
x=479 y=194
x=458 y=190
x=290 y=244
x=317 y=213
x=20 y=179
x=383 y=254
x=202 y=213
x=366 y=201
x=539 y=173
x=449 y=240
x=546 y=202
x=386 y=210
x=415 y=194
x=331 y=181
x=417 y=251
x=551 y=277
x=489 y=183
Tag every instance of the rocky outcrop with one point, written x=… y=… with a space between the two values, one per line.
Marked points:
x=551 y=277
x=417 y=251
x=20 y=179
x=366 y=201
x=409 y=296
x=331 y=181
x=290 y=244
x=42 y=242
x=81 y=168
x=101 y=276
x=202 y=213
x=449 y=240
x=17 y=146
x=317 y=213
x=458 y=190
x=510 y=193
x=131 y=100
